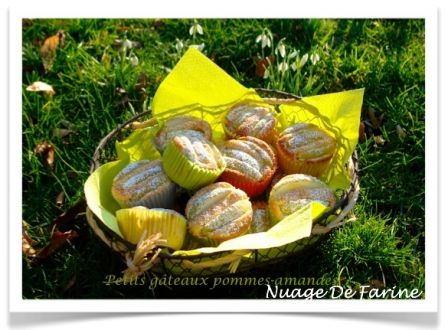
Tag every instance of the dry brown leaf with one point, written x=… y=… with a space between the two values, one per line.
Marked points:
x=46 y=151
x=60 y=199
x=362 y=131
x=379 y=140
x=27 y=242
x=69 y=217
x=49 y=48
x=142 y=82
x=375 y=121
x=262 y=64
x=376 y=283
x=67 y=124
x=39 y=86
x=106 y=60
x=70 y=283
x=120 y=90
x=61 y=132
x=58 y=240
x=401 y=132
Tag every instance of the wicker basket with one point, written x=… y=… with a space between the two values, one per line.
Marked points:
x=221 y=263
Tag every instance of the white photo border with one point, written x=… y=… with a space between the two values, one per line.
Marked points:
x=167 y=10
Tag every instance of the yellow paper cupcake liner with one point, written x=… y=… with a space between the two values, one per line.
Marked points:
x=132 y=222
x=184 y=172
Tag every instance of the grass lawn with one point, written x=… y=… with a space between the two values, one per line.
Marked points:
x=94 y=74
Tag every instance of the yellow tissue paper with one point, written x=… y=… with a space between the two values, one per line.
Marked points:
x=197 y=86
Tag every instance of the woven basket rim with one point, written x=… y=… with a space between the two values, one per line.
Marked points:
x=123 y=247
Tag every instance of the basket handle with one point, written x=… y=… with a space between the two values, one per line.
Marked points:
x=142 y=124
x=275 y=101
x=232 y=259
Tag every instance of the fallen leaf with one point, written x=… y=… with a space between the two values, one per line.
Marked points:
x=61 y=132
x=27 y=242
x=70 y=283
x=120 y=90
x=362 y=131
x=106 y=60
x=39 y=86
x=376 y=283
x=49 y=48
x=57 y=241
x=142 y=82
x=379 y=140
x=262 y=64
x=72 y=174
x=60 y=199
x=376 y=122
x=46 y=151
x=67 y=124
x=158 y=23
x=401 y=132
x=66 y=219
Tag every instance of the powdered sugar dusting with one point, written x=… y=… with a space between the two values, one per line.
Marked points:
x=179 y=125
x=306 y=141
x=139 y=182
x=132 y=166
x=241 y=156
x=199 y=150
x=247 y=119
x=243 y=167
x=204 y=197
x=149 y=172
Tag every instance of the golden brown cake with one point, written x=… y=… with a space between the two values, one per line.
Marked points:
x=192 y=161
x=305 y=148
x=218 y=212
x=261 y=221
x=251 y=163
x=250 y=120
x=177 y=126
x=143 y=183
x=294 y=191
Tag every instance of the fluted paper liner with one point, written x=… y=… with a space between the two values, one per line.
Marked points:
x=198 y=87
x=184 y=172
x=134 y=221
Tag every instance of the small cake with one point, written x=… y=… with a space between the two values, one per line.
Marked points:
x=134 y=222
x=143 y=183
x=192 y=161
x=218 y=212
x=250 y=120
x=260 y=219
x=177 y=126
x=251 y=163
x=294 y=191
x=305 y=148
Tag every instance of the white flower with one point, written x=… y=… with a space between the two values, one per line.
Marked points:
x=133 y=59
x=303 y=60
x=294 y=67
x=265 y=40
x=314 y=58
x=293 y=54
x=266 y=74
x=198 y=47
x=196 y=28
x=127 y=44
x=283 y=67
x=179 y=45
x=281 y=49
